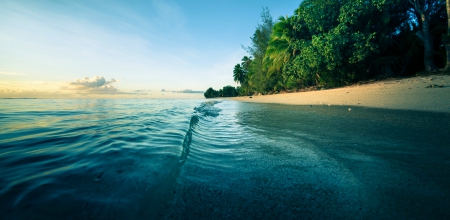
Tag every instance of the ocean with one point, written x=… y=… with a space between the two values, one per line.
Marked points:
x=219 y=159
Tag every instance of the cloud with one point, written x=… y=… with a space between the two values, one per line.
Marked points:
x=188 y=91
x=50 y=44
x=94 y=85
x=98 y=85
x=182 y=91
x=95 y=82
x=141 y=90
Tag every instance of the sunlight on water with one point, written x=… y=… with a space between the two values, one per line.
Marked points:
x=55 y=150
x=288 y=162
x=179 y=159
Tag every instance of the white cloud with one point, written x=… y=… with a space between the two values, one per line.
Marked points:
x=81 y=88
x=182 y=91
x=96 y=85
x=188 y=91
x=148 y=48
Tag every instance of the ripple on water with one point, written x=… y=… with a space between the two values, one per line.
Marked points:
x=188 y=159
x=91 y=158
x=290 y=162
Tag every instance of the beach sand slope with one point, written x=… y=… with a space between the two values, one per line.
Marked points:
x=429 y=93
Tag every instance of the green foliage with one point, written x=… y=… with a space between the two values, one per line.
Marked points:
x=257 y=74
x=340 y=45
x=320 y=16
x=335 y=43
x=229 y=91
x=226 y=91
x=211 y=93
x=238 y=74
x=281 y=47
x=261 y=37
x=242 y=70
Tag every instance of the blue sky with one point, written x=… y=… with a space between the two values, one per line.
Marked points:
x=68 y=49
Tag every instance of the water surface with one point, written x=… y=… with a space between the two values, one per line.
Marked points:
x=191 y=159
x=87 y=158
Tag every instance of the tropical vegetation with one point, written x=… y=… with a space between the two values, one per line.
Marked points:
x=332 y=43
x=226 y=91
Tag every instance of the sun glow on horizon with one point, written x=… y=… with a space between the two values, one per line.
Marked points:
x=138 y=48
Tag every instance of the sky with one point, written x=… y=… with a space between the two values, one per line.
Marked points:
x=125 y=49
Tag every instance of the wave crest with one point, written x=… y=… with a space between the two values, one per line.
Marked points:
x=208 y=109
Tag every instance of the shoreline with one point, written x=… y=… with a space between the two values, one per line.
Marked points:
x=401 y=94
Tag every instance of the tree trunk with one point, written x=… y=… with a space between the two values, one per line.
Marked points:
x=387 y=71
x=427 y=42
x=317 y=79
x=423 y=14
x=446 y=38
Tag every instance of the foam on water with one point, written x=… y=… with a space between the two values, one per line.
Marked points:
x=208 y=109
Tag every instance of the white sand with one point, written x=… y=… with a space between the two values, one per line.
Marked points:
x=409 y=94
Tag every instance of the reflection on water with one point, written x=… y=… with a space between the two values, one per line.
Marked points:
x=290 y=162
x=87 y=158
x=149 y=159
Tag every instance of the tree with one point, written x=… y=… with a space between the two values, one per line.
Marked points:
x=211 y=93
x=245 y=65
x=257 y=77
x=246 y=61
x=279 y=50
x=336 y=42
x=238 y=74
x=229 y=91
x=226 y=91
x=341 y=41
x=446 y=38
x=261 y=37
x=423 y=10
x=397 y=44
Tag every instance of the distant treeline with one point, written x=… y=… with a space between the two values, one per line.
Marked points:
x=226 y=91
x=333 y=43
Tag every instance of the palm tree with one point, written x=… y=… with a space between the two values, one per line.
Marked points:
x=246 y=61
x=280 y=50
x=238 y=74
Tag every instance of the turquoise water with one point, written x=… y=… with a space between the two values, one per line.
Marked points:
x=61 y=157
x=191 y=159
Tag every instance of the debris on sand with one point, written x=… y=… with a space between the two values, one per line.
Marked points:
x=435 y=86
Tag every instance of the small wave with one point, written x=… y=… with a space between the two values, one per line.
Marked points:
x=188 y=138
x=164 y=189
x=208 y=108
x=57 y=159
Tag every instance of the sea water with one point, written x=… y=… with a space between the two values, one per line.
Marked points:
x=87 y=158
x=190 y=159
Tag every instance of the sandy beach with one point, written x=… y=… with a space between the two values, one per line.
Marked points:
x=409 y=94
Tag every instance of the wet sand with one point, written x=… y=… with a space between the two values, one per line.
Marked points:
x=406 y=94
x=272 y=161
